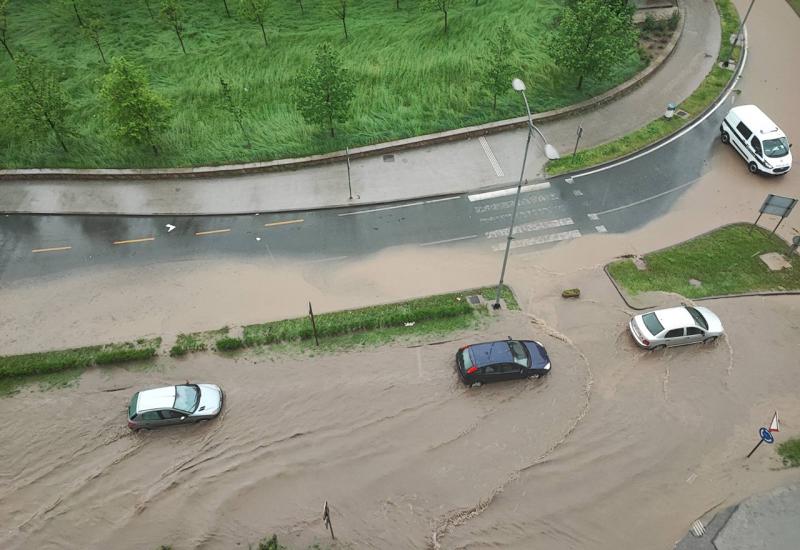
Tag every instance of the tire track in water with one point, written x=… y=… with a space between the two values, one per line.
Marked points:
x=460 y=517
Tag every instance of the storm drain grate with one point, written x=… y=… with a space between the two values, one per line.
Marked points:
x=474 y=300
x=681 y=113
x=388 y=158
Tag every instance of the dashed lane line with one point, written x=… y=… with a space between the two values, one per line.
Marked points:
x=286 y=222
x=510 y=191
x=211 y=232
x=491 y=157
x=542 y=239
x=53 y=249
x=133 y=241
x=637 y=203
x=454 y=239
x=395 y=207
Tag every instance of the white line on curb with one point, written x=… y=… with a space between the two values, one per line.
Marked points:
x=509 y=191
x=449 y=240
x=491 y=157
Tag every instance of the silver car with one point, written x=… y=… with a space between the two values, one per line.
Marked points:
x=676 y=326
x=180 y=404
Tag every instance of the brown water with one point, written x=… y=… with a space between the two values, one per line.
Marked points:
x=618 y=448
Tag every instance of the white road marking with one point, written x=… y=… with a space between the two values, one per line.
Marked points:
x=211 y=232
x=449 y=240
x=537 y=198
x=169 y=227
x=542 y=239
x=418 y=203
x=285 y=222
x=601 y=228
x=441 y=200
x=132 y=241
x=53 y=249
x=509 y=191
x=528 y=227
x=491 y=157
x=593 y=217
x=335 y=258
x=577 y=192
x=637 y=203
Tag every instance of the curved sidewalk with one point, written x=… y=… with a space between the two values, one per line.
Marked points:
x=441 y=169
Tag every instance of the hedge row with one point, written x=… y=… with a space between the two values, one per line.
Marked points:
x=53 y=361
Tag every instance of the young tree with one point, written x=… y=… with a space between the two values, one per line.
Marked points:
x=233 y=106
x=227 y=11
x=4 y=27
x=256 y=11
x=91 y=30
x=339 y=9
x=302 y=11
x=138 y=113
x=443 y=6
x=75 y=5
x=498 y=70
x=325 y=89
x=37 y=100
x=591 y=37
x=172 y=11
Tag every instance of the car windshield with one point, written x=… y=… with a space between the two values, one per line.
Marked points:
x=651 y=322
x=778 y=147
x=519 y=353
x=698 y=317
x=187 y=398
x=132 y=406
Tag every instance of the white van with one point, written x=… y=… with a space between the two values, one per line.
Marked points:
x=759 y=140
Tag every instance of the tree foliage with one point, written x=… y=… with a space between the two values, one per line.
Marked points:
x=37 y=100
x=138 y=113
x=498 y=68
x=256 y=11
x=172 y=12
x=325 y=89
x=339 y=9
x=233 y=106
x=591 y=37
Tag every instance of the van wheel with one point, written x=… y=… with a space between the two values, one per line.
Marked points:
x=725 y=138
x=710 y=340
x=753 y=167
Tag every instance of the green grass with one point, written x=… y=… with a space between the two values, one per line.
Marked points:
x=48 y=362
x=790 y=452
x=795 y=5
x=411 y=78
x=702 y=97
x=195 y=341
x=725 y=261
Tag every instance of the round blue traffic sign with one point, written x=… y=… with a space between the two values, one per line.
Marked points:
x=766 y=436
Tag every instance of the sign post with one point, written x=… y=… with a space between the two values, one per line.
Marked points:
x=313 y=323
x=777 y=206
x=326 y=517
x=766 y=436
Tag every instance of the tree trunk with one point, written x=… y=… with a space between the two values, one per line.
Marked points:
x=330 y=121
x=303 y=12
x=580 y=82
x=494 y=102
x=397 y=4
x=180 y=39
x=97 y=42
x=344 y=24
x=445 y=21
x=58 y=134
x=149 y=9
x=78 y=15
x=155 y=149
x=263 y=33
x=226 y=7
x=5 y=45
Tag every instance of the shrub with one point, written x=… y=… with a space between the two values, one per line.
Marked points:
x=227 y=343
x=790 y=452
x=674 y=19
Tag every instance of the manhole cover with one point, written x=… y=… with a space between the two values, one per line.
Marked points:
x=388 y=158
x=474 y=300
x=681 y=113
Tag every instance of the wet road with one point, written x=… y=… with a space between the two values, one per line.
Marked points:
x=616 y=200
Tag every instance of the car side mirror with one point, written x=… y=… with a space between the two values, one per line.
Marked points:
x=183 y=418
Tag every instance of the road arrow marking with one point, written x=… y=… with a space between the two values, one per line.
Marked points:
x=169 y=227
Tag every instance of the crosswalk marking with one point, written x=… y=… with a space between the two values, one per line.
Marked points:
x=509 y=191
x=528 y=227
x=491 y=157
x=541 y=239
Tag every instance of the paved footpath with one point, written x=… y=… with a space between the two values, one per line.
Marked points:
x=453 y=167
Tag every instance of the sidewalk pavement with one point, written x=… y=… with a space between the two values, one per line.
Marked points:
x=449 y=168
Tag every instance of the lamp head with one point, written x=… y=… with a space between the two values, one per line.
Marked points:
x=518 y=85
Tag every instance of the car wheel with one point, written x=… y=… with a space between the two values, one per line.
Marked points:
x=725 y=138
x=710 y=340
x=753 y=167
x=660 y=347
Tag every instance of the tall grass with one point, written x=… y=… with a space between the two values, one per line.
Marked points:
x=412 y=79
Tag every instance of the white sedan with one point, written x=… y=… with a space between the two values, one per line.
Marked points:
x=676 y=326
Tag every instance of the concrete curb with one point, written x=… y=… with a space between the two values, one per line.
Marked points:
x=357 y=152
x=624 y=296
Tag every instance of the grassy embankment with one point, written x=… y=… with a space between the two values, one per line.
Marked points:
x=706 y=93
x=411 y=78
x=795 y=5
x=725 y=261
x=375 y=325
x=790 y=453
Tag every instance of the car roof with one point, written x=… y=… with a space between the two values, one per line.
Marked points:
x=158 y=398
x=490 y=353
x=675 y=317
x=761 y=123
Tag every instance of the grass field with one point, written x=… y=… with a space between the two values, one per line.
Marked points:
x=412 y=79
x=795 y=5
x=725 y=261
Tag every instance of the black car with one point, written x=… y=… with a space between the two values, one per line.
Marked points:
x=502 y=360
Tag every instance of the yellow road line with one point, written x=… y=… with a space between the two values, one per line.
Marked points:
x=131 y=241
x=212 y=232
x=287 y=222
x=54 y=249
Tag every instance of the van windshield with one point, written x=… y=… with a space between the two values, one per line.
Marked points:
x=777 y=147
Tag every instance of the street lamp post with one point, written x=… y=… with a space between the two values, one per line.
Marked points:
x=738 y=33
x=549 y=151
